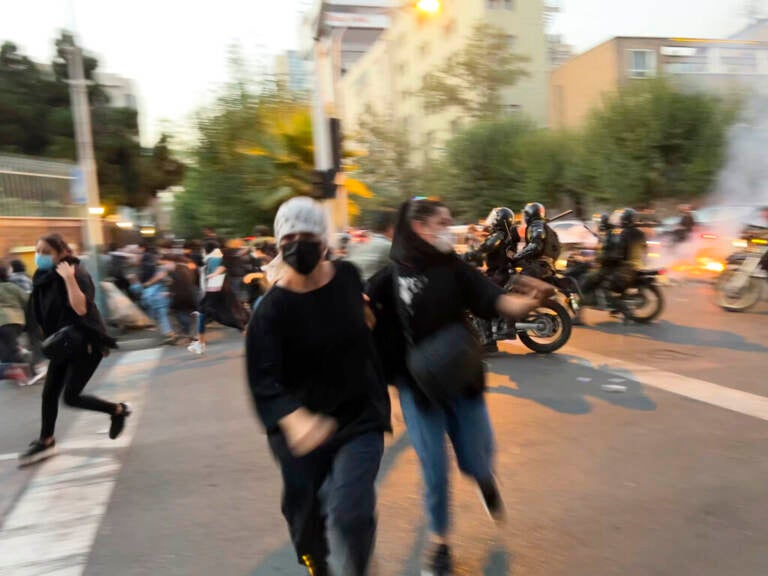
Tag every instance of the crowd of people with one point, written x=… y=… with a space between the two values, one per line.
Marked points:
x=329 y=330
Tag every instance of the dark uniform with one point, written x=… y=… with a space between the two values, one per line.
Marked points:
x=503 y=239
x=542 y=246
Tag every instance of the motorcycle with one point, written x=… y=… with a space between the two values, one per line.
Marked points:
x=642 y=301
x=544 y=330
x=740 y=285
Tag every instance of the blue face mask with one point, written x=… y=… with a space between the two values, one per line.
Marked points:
x=44 y=261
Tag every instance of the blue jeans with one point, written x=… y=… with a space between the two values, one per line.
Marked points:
x=332 y=487
x=156 y=301
x=468 y=426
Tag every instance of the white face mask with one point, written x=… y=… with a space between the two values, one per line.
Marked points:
x=444 y=242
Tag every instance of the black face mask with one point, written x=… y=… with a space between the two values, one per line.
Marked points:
x=302 y=255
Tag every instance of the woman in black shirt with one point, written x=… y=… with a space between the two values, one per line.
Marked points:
x=428 y=289
x=63 y=295
x=319 y=392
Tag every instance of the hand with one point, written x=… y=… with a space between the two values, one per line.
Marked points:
x=66 y=270
x=369 y=316
x=306 y=431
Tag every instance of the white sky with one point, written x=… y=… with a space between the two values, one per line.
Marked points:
x=176 y=51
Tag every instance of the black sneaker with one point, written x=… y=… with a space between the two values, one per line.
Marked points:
x=38 y=451
x=118 y=421
x=439 y=563
x=494 y=505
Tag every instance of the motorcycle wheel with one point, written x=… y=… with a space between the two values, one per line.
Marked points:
x=744 y=299
x=647 y=305
x=555 y=328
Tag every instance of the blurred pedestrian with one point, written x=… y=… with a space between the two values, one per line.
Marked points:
x=236 y=255
x=372 y=256
x=219 y=303
x=152 y=286
x=62 y=309
x=421 y=303
x=19 y=276
x=319 y=392
x=13 y=303
x=183 y=290
x=193 y=250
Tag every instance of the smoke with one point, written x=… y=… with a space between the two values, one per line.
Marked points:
x=743 y=181
x=741 y=188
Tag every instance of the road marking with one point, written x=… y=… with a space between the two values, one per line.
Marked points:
x=52 y=527
x=701 y=390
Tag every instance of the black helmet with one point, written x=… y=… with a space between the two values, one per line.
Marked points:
x=503 y=219
x=628 y=218
x=534 y=211
x=605 y=222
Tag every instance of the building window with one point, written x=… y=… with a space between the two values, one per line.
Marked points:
x=511 y=41
x=642 y=63
x=493 y=4
x=402 y=68
x=510 y=109
x=424 y=50
x=509 y=4
x=450 y=27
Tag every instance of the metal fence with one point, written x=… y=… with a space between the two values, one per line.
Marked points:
x=36 y=188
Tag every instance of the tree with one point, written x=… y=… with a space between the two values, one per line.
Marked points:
x=656 y=141
x=254 y=151
x=484 y=167
x=36 y=120
x=474 y=78
x=387 y=163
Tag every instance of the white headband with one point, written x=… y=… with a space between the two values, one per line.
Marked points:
x=300 y=215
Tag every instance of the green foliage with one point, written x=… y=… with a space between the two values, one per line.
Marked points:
x=484 y=167
x=254 y=151
x=36 y=120
x=473 y=79
x=656 y=141
x=387 y=166
x=650 y=141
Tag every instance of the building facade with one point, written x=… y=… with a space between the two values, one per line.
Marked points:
x=388 y=77
x=716 y=66
x=293 y=71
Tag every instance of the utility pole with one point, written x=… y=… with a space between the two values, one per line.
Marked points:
x=81 y=113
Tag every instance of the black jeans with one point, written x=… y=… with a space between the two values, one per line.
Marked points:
x=337 y=482
x=71 y=376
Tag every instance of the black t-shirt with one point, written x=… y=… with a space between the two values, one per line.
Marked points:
x=433 y=297
x=315 y=350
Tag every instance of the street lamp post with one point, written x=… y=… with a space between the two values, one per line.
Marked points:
x=81 y=112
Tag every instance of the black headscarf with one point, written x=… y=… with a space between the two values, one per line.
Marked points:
x=411 y=250
x=49 y=308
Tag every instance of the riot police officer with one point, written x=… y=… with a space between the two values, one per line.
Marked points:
x=609 y=256
x=542 y=246
x=631 y=248
x=502 y=241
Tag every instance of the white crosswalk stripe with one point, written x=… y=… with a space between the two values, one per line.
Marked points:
x=53 y=525
x=701 y=390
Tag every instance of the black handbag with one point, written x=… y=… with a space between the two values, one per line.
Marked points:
x=444 y=365
x=64 y=343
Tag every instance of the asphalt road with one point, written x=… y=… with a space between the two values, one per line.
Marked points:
x=665 y=478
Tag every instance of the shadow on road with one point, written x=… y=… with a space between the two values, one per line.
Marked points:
x=563 y=386
x=665 y=331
